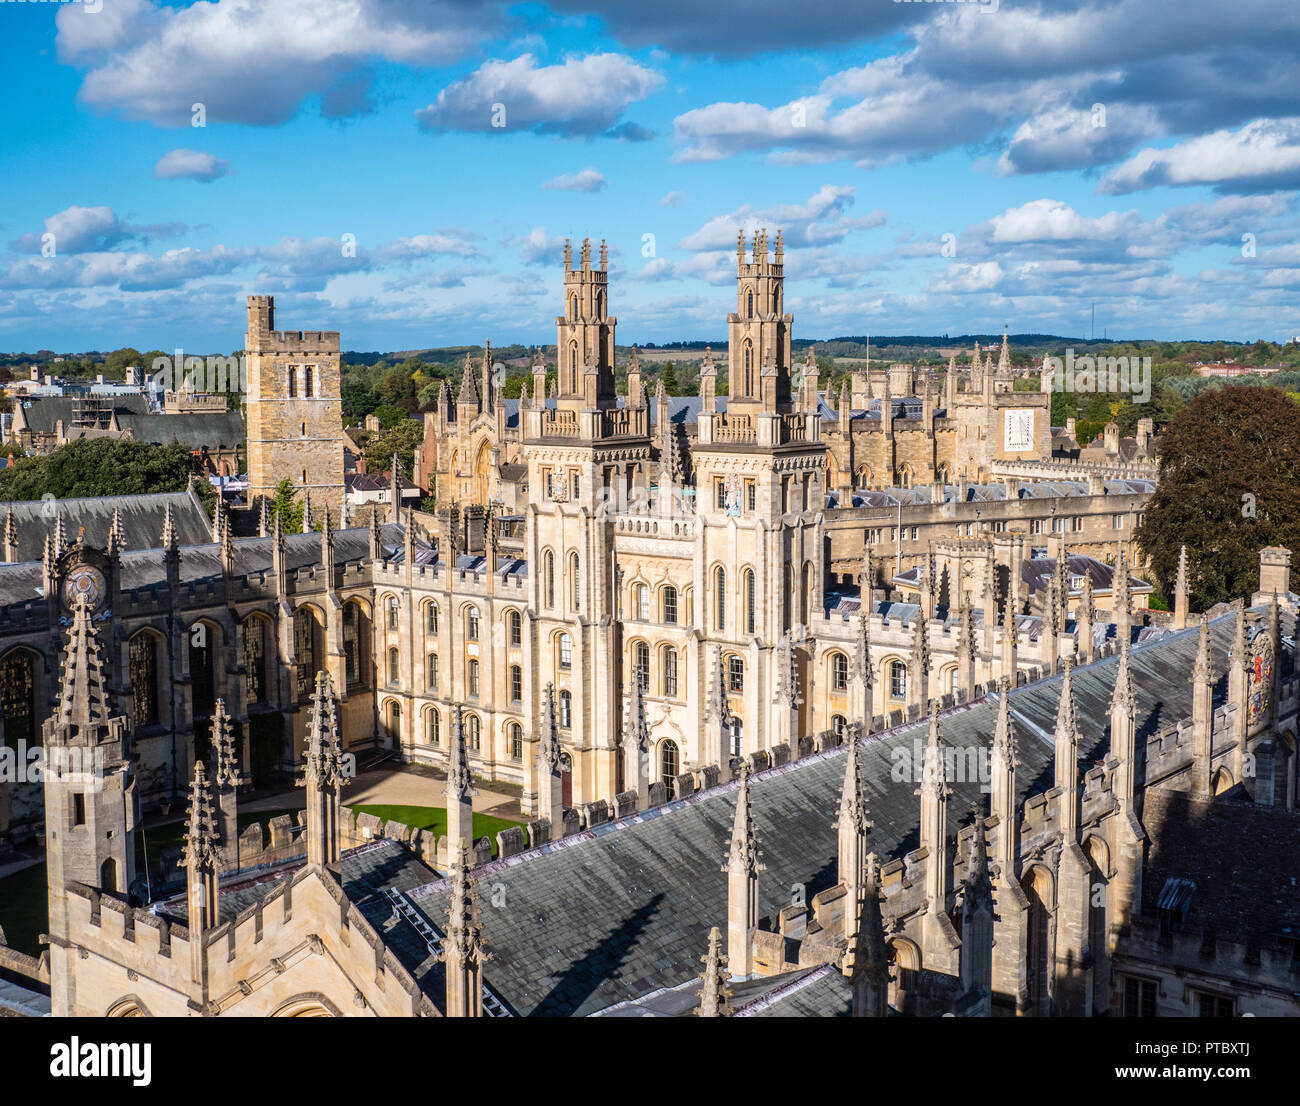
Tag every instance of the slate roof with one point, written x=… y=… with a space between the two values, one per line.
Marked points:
x=613 y=913
x=142 y=520
x=1245 y=887
x=214 y=430
x=44 y=412
x=1037 y=572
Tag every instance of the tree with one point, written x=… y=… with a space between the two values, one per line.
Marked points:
x=1229 y=470
x=290 y=512
x=401 y=439
x=390 y=416
x=358 y=398
x=100 y=466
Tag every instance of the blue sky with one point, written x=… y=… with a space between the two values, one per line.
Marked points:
x=936 y=167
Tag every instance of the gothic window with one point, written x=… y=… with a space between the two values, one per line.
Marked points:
x=516 y=684
x=641 y=666
x=254 y=666
x=737 y=736
x=433 y=673
x=393 y=665
x=641 y=594
x=394 y=718
x=307 y=380
x=474 y=733
x=749 y=305
x=353 y=645
x=471 y=623
x=203 y=672
x=516 y=628
x=18 y=699
x=435 y=724
x=897 y=680
x=293 y=381
x=575 y=583
x=548 y=577
x=600 y=305
x=751 y=495
x=394 y=609
x=749 y=369
x=669 y=766
x=751 y=613
x=670 y=604
x=735 y=674
x=720 y=597
x=432 y=609
x=515 y=741
x=668 y=666
x=144 y=680
x=839 y=726
x=839 y=672
x=573 y=306
x=473 y=679
x=566 y=709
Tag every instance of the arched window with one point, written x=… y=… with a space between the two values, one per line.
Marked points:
x=839 y=672
x=355 y=646
x=575 y=583
x=641 y=665
x=144 y=676
x=293 y=381
x=472 y=678
x=515 y=741
x=473 y=732
x=566 y=651
x=394 y=718
x=735 y=674
x=566 y=709
x=751 y=602
x=737 y=736
x=392 y=665
x=749 y=305
x=548 y=578
x=749 y=369
x=516 y=622
x=435 y=727
x=668 y=666
x=18 y=699
x=641 y=601
x=257 y=680
x=839 y=726
x=669 y=767
x=471 y=623
x=432 y=609
x=305 y=630
x=306 y=381
x=670 y=604
x=394 y=610
x=720 y=597
x=573 y=306
x=600 y=305
x=516 y=684
x=897 y=680
x=433 y=673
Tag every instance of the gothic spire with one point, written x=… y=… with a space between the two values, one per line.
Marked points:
x=744 y=856
x=226 y=771
x=83 y=696
x=868 y=959
x=1122 y=699
x=1203 y=672
x=463 y=951
x=714 y=991
x=169 y=529
x=468 y=384
x=200 y=851
x=116 y=534
x=60 y=535
x=264 y=519
x=323 y=758
x=459 y=784
x=548 y=748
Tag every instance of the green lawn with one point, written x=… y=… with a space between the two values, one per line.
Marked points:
x=434 y=818
x=24 y=913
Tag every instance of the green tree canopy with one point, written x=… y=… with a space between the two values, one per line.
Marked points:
x=100 y=466
x=1229 y=474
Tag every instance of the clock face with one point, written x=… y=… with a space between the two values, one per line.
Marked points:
x=84 y=581
x=1018 y=431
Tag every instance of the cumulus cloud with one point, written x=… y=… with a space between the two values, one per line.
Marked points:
x=580 y=96
x=817 y=222
x=537 y=247
x=87 y=229
x=586 y=180
x=185 y=164
x=252 y=62
x=1262 y=156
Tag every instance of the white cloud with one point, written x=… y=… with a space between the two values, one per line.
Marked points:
x=1262 y=155
x=585 y=180
x=580 y=96
x=88 y=229
x=819 y=221
x=673 y=199
x=252 y=62
x=190 y=165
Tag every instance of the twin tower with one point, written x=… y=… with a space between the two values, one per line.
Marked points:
x=758 y=332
